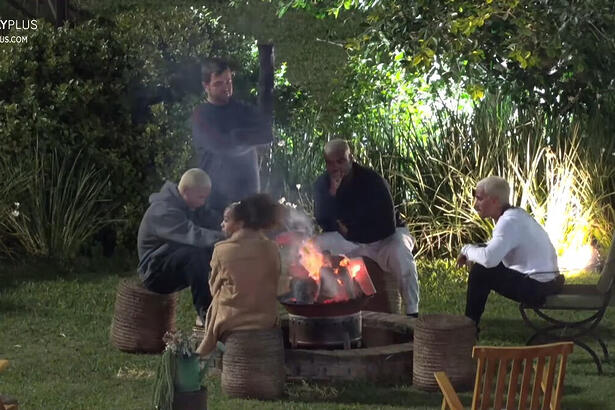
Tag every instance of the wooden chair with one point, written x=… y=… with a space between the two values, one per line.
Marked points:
x=592 y=300
x=507 y=376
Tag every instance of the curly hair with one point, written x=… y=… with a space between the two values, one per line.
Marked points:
x=259 y=211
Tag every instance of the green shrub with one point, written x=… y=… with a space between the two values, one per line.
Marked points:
x=15 y=180
x=562 y=170
x=121 y=91
x=61 y=207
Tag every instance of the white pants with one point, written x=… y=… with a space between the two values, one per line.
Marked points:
x=393 y=254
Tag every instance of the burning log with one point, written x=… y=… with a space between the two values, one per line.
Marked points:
x=331 y=287
x=358 y=272
x=320 y=277
x=336 y=284
x=304 y=290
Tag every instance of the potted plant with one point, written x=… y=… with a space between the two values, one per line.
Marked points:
x=179 y=377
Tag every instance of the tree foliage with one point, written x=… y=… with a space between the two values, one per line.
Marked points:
x=120 y=90
x=557 y=53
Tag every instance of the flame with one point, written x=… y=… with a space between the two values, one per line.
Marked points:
x=312 y=259
x=333 y=282
x=354 y=269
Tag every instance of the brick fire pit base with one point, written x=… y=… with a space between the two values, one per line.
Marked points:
x=385 y=358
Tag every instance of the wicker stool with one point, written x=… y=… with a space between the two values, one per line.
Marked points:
x=253 y=364
x=141 y=318
x=443 y=343
x=387 y=298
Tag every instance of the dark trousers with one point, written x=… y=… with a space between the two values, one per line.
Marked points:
x=180 y=267
x=507 y=282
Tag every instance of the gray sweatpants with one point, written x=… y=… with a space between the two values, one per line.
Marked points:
x=393 y=254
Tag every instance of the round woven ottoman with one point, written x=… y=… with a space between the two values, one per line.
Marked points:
x=387 y=298
x=443 y=342
x=141 y=318
x=253 y=364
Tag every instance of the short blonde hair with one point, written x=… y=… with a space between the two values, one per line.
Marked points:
x=194 y=178
x=496 y=187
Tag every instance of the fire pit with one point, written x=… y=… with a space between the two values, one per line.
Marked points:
x=335 y=324
x=326 y=296
x=328 y=337
x=384 y=356
x=335 y=331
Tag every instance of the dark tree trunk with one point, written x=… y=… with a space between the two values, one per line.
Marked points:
x=61 y=7
x=265 y=80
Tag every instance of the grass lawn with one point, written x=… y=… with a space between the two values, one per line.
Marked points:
x=54 y=328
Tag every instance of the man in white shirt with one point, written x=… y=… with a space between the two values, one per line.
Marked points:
x=519 y=261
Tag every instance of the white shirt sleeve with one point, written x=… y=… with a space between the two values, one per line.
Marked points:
x=504 y=239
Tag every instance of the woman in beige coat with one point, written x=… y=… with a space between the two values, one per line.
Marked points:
x=245 y=270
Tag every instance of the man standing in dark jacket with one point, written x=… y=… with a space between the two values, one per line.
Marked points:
x=174 y=250
x=225 y=135
x=354 y=206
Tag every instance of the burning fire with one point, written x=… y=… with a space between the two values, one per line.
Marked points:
x=353 y=266
x=336 y=277
x=312 y=259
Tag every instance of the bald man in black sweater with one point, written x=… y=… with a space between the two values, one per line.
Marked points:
x=354 y=207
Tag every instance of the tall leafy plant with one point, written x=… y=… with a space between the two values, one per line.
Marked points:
x=546 y=161
x=16 y=179
x=62 y=206
x=556 y=166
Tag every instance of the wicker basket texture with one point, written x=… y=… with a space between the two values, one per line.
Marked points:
x=253 y=364
x=387 y=298
x=443 y=342
x=141 y=318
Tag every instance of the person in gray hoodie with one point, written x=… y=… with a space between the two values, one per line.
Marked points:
x=175 y=244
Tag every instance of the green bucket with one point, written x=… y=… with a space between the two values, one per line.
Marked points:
x=188 y=374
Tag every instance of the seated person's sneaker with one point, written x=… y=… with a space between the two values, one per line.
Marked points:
x=199 y=322
x=414 y=315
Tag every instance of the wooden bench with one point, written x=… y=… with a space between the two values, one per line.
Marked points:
x=592 y=300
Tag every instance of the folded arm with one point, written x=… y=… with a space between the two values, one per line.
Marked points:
x=325 y=206
x=174 y=226
x=207 y=134
x=374 y=213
